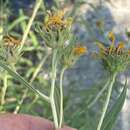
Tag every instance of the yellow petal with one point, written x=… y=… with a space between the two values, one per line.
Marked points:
x=121 y=45
x=111 y=36
x=80 y=50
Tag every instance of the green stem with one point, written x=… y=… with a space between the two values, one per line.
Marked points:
x=37 y=6
x=32 y=103
x=4 y=89
x=79 y=112
x=99 y=95
x=31 y=80
x=107 y=101
x=52 y=100
x=21 y=101
x=61 y=97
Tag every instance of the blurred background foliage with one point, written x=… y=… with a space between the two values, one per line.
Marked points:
x=79 y=92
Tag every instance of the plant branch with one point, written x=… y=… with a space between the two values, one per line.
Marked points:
x=61 y=97
x=52 y=101
x=99 y=95
x=105 y=107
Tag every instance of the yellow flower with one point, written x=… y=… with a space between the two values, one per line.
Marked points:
x=80 y=50
x=11 y=41
x=121 y=45
x=118 y=50
x=111 y=36
x=57 y=21
x=115 y=58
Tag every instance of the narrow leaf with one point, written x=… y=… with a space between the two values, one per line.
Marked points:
x=22 y=81
x=112 y=115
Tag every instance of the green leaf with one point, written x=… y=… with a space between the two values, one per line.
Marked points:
x=22 y=81
x=17 y=21
x=112 y=115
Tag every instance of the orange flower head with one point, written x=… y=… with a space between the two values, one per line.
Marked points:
x=120 y=45
x=57 y=21
x=80 y=50
x=11 y=41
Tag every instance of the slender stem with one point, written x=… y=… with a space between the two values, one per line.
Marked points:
x=39 y=67
x=107 y=102
x=37 y=6
x=92 y=103
x=52 y=100
x=32 y=103
x=99 y=94
x=31 y=80
x=21 y=102
x=4 y=89
x=61 y=97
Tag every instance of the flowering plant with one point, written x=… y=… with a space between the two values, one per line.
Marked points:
x=56 y=32
x=115 y=58
x=63 y=49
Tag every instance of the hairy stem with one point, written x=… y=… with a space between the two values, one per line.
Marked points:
x=52 y=100
x=105 y=107
x=61 y=98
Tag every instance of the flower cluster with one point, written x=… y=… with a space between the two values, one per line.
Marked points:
x=57 y=21
x=56 y=29
x=71 y=54
x=57 y=35
x=11 y=41
x=9 y=49
x=115 y=57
